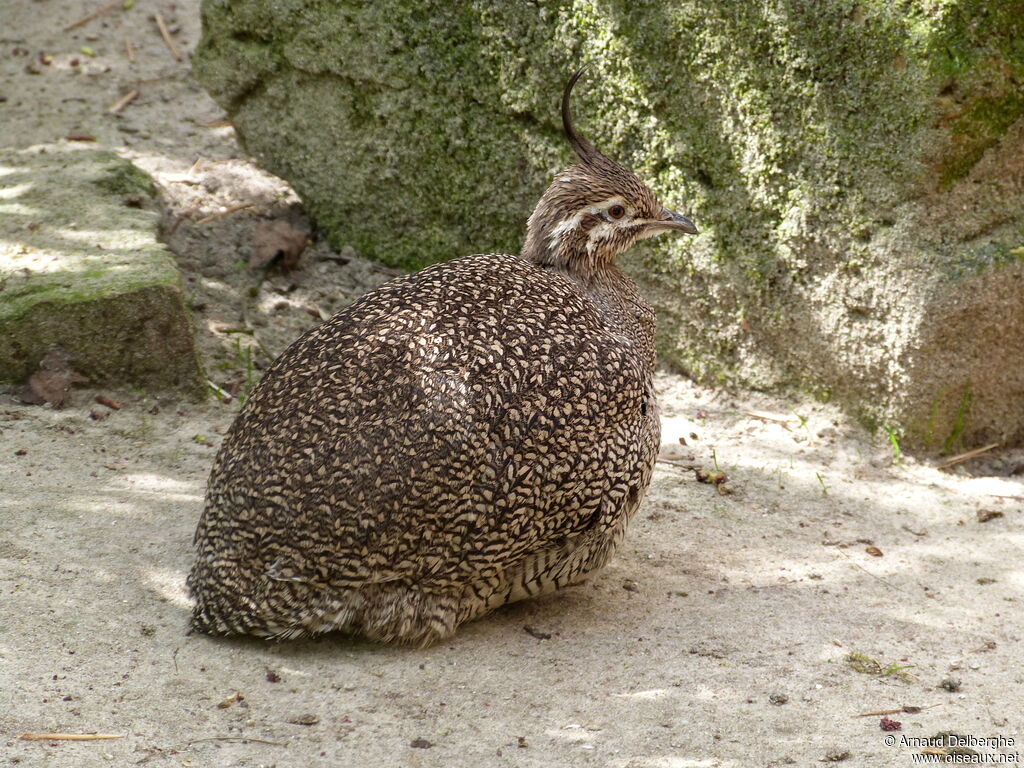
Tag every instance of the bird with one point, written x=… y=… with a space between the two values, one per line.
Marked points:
x=467 y=436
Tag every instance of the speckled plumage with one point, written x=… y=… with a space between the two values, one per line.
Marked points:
x=470 y=435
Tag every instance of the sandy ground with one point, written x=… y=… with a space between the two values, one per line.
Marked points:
x=721 y=635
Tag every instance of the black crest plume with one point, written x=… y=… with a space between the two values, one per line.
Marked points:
x=583 y=148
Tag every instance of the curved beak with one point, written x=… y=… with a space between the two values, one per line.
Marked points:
x=671 y=221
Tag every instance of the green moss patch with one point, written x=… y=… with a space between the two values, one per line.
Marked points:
x=81 y=269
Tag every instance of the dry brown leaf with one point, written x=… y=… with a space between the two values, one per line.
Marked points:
x=275 y=240
x=52 y=383
x=984 y=515
x=231 y=700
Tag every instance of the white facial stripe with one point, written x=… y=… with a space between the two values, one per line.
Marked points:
x=564 y=228
x=597 y=234
x=600 y=231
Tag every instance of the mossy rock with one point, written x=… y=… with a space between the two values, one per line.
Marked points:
x=81 y=268
x=855 y=167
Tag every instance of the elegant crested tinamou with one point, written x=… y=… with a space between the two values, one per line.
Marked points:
x=473 y=434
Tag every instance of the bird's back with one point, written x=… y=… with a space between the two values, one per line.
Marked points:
x=471 y=434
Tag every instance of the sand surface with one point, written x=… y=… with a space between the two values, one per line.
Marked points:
x=742 y=624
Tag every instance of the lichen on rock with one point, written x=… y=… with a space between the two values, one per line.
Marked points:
x=855 y=168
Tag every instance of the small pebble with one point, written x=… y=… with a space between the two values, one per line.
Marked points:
x=778 y=699
x=836 y=755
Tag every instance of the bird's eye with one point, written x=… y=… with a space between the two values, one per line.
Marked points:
x=616 y=211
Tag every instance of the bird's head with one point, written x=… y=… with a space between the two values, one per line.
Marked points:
x=594 y=210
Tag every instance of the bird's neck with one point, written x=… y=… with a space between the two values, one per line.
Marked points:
x=564 y=250
x=614 y=296
x=554 y=242
x=565 y=257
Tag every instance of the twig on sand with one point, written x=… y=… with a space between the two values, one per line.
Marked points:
x=224 y=395
x=239 y=740
x=109 y=402
x=225 y=212
x=183 y=214
x=164 y=751
x=166 y=35
x=386 y=270
x=965 y=456
x=857 y=565
x=677 y=463
x=90 y=16
x=68 y=736
x=905 y=710
x=129 y=49
x=770 y=418
x=124 y=101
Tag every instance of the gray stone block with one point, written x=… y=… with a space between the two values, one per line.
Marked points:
x=81 y=268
